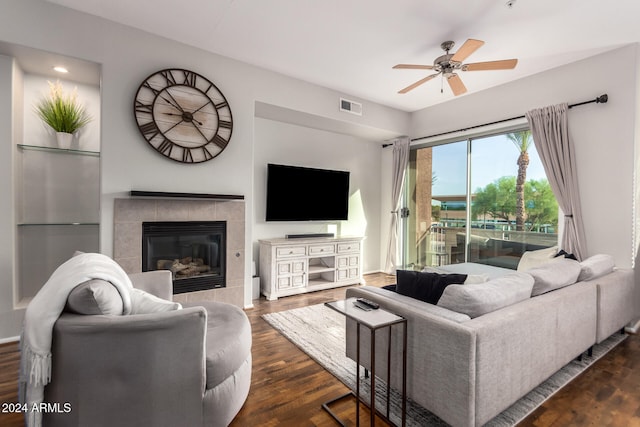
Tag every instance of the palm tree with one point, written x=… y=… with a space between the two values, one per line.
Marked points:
x=522 y=140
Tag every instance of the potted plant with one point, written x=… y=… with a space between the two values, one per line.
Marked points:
x=62 y=113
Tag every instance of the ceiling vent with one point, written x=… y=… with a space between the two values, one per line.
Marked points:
x=350 y=107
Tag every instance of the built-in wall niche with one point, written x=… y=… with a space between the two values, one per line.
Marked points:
x=57 y=190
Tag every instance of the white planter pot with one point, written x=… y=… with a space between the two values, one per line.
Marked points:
x=64 y=139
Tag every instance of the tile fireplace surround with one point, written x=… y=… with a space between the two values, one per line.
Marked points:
x=127 y=246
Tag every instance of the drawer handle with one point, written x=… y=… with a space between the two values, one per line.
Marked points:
x=321 y=250
x=290 y=252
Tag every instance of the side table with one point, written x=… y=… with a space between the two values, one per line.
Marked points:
x=372 y=320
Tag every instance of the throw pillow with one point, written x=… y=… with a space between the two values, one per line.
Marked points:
x=95 y=297
x=535 y=258
x=553 y=275
x=144 y=303
x=596 y=266
x=478 y=299
x=565 y=254
x=427 y=287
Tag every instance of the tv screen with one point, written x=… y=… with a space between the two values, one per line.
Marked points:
x=297 y=193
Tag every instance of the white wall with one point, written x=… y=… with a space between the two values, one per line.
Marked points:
x=604 y=136
x=127 y=56
x=283 y=143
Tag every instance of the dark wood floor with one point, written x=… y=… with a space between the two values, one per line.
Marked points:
x=288 y=387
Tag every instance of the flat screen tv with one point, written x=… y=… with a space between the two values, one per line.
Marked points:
x=297 y=193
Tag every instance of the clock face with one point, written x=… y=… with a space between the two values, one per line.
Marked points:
x=183 y=116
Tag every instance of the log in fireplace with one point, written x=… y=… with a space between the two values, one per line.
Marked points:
x=194 y=252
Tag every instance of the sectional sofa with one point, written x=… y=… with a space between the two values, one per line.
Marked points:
x=486 y=344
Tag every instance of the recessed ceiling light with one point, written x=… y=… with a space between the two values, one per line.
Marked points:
x=60 y=69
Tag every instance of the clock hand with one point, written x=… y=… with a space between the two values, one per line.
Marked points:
x=198 y=129
x=186 y=117
x=176 y=104
x=168 y=101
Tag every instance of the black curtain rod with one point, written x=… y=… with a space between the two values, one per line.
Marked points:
x=602 y=99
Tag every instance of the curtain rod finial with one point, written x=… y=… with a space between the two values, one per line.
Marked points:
x=602 y=99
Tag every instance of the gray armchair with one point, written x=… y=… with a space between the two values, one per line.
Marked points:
x=190 y=367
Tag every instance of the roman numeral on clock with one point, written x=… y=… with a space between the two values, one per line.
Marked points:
x=165 y=147
x=151 y=88
x=187 y=157
x=190 y=78
x=220 y=141
x=143 y=108
x=225 y=124
x=207 y=154
x=149 y=130
x=168 y=76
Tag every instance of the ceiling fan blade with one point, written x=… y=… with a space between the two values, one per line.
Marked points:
x=418 y=83
x=456 y=84
x=505 y=64
x=470 y=46
x=413 y=67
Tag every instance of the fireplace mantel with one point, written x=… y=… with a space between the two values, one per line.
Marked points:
x=192 y=196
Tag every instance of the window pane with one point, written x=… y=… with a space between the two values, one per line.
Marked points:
x=513 y=207
x=437 y=202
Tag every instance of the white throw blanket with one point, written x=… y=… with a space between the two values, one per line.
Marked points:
x=42 y=313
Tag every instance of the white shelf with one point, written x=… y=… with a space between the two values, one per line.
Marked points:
x=59 y=150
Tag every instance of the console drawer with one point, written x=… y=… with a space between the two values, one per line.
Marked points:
x=289 y=251
x=321 y=249
x=348 y=247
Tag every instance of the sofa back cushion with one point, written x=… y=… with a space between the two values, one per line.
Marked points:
x=596 y=266
x=427 y=287
x=555 y=274
x=477 y=299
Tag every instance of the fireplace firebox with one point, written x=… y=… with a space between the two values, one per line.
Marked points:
x=194 y=252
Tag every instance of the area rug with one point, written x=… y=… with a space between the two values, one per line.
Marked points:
x=320 y=332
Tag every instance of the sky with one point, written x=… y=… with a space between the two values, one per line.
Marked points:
x=491 y=158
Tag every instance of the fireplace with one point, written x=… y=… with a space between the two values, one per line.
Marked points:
x=194 y=252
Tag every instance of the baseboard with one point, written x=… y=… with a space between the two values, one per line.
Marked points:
x=633 y=327
x=9 y=339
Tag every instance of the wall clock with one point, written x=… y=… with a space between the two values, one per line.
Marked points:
x=183 y=116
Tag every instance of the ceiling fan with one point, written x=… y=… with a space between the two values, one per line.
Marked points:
x=447 y=64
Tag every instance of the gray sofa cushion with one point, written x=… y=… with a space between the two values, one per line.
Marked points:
x=228 y=340
x=596 y=266
x=95 y=297
x=477 y=299
x=555 y=274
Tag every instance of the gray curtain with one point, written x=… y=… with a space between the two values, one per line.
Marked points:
x=550 y=130
x=400 y=160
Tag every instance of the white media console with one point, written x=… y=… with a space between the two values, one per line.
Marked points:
x=295 y=266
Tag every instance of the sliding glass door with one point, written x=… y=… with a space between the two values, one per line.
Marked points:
x=483 y=200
